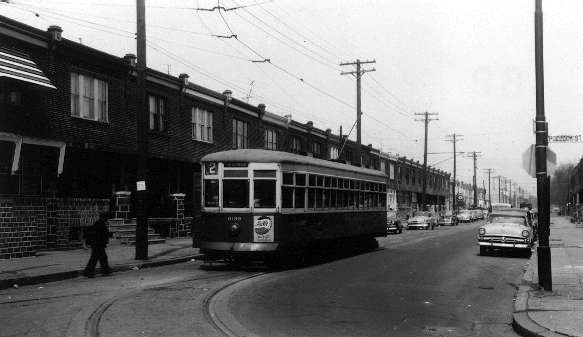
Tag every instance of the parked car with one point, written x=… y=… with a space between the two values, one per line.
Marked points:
x=395 y=222
x=531 y=218
x=464 y=216
x=506 y=230
x=448 y=219
x=422 y=220
x=477 y=214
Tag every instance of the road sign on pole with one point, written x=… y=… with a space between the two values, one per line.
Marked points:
x=528 y=161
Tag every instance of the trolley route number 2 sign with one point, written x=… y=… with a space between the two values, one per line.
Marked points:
x=263 y=228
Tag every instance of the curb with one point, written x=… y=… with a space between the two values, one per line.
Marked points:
x=521 y=321
x=60 y=276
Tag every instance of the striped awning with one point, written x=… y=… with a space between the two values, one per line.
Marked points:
x=19 y=66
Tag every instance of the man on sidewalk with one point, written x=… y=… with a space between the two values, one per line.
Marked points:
x=97 y=237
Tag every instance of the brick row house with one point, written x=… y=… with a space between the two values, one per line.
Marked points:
x=68 y=141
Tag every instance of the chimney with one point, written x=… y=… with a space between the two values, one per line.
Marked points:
x=130 y=60
x=55 y=33
x=261 y=108
x=183 y=79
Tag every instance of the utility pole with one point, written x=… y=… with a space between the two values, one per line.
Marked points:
x=475 y=155
x=510 y=192
x=499 y=189
x=426 y=121
x=142 y=137
x=489 y=170
x=454 y=138
x=358 y=74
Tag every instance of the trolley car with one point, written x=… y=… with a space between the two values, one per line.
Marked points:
x=260 y=204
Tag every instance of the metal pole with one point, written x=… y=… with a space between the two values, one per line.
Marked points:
x=142 y=136
x=542 y=178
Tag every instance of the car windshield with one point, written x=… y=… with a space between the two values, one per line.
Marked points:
x=506 y=219
x=421 y=213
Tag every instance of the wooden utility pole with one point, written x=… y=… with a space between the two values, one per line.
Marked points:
x=142 y=136
x=542 y=178
x=454 y=138
x=499 y=189
x=475 y=155
x=358 y=74
x=426 y=121
x=489 y=170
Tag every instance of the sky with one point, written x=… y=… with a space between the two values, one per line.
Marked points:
x=469 y=61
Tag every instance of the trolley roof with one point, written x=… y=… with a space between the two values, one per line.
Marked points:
x=268 y=156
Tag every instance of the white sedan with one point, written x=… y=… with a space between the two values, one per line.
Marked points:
x=505 y=231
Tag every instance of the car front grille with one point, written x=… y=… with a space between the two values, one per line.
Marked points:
x=502 y=239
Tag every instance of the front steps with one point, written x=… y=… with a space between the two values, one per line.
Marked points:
x=125 y=232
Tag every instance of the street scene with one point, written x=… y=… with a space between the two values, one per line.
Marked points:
x=291 y=168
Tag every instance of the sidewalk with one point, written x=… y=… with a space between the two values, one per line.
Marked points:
x=48 y=266
x=560 y=312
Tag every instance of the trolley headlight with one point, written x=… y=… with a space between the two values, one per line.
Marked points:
x=235 y=229
x=525 y=233
x=482 y=231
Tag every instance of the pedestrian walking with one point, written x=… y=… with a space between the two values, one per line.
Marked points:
x=97 y=236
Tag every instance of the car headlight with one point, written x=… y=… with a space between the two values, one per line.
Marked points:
x=482 y=231
x=525 y=233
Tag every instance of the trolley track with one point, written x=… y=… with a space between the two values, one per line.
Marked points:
x=88 y=321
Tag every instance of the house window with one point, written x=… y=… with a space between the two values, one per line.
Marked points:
x=202 y=125
x=88 y=97
x=295 y=145
x=271 y=139
x=333 y=152
x=240 y=135
x=317 y=150
x=157 y=108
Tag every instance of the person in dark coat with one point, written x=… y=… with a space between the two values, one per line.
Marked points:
x=97 y=236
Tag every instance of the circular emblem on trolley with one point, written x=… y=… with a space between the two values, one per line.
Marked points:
x=263 y=225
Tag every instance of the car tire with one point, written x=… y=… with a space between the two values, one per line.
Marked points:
x=483 y=251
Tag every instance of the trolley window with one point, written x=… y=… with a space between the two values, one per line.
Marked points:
x=299 y=197
x=264 y=193
x=211 y=193
x=287 y=197
x=300 y=179
x=235 y=193
x=288 y=178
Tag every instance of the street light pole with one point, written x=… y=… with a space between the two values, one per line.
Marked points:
x=542 y=178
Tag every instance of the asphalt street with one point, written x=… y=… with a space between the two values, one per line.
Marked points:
x=419 y=283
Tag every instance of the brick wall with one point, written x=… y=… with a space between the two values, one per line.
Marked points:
x=22 y=227
x=28 y=225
